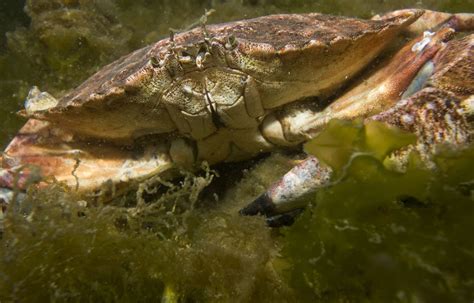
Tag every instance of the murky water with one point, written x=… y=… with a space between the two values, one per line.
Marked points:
x=363 y=248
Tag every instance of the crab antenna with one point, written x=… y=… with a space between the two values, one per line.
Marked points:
x=172 y=44
x=203 y=22
x=200 y=22
x=172 y=33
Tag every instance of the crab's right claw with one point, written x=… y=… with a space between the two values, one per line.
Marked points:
x=7 y=198
x=11 y=184
x=41 y=151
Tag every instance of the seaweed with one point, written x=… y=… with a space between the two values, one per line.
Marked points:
x=58 y=247
x=383 y=236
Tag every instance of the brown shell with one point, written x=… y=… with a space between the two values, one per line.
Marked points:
x=454 y=64
x=267 y=36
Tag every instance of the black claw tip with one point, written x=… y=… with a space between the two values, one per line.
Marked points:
x=285 y=219
x=263 y=205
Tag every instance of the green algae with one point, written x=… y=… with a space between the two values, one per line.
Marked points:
x=342 y=140
x=56 y=249
x=383 y=236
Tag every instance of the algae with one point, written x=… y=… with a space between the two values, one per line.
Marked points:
x=55 y=248
x=383 y=236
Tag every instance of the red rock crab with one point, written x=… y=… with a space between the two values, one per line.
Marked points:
x=228 y=92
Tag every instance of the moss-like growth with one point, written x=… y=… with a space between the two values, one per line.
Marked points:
x=382 y=236
x=57 y=249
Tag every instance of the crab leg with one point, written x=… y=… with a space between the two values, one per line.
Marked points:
x=437 y=115
x=441 y=118
x=432 y=20
x=291 y=191
x=367 y=97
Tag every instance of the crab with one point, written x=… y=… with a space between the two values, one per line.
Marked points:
x=228 y=92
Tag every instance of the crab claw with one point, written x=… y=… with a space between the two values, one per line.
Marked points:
x=40 y=149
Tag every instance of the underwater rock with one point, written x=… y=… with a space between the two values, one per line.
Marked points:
x=70 y=38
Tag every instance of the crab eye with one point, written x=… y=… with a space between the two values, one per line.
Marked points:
x=154 y=62
x=185 y=57
x=185 y=54
x=231 y=42
x=203 y=49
